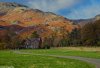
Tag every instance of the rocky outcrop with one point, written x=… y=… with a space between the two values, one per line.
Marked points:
x=6 y=7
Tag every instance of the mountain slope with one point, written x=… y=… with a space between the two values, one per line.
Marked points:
x=31 y=20
x=82 y=22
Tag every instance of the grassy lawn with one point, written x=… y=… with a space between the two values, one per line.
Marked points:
x=10 y=59
x=90 y=52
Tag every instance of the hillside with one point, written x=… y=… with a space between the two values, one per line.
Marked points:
x=82 y=22
x=32 y=19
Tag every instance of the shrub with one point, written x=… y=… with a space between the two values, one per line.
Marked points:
x=3 y=46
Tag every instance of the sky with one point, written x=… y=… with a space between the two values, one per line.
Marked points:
x=72 y=9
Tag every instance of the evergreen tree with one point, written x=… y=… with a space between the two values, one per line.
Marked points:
x=35 y=34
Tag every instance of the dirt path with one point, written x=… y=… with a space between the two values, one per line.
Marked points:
x=96 y=62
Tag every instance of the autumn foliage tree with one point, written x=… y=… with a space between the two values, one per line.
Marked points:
x=90 y=33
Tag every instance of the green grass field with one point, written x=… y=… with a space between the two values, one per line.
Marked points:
x=13 y=60
x=68 y=51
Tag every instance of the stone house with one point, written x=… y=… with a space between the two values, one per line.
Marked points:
x=33 y=43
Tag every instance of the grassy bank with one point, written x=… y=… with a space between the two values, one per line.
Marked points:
x=10 y=59
x=90 y=52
